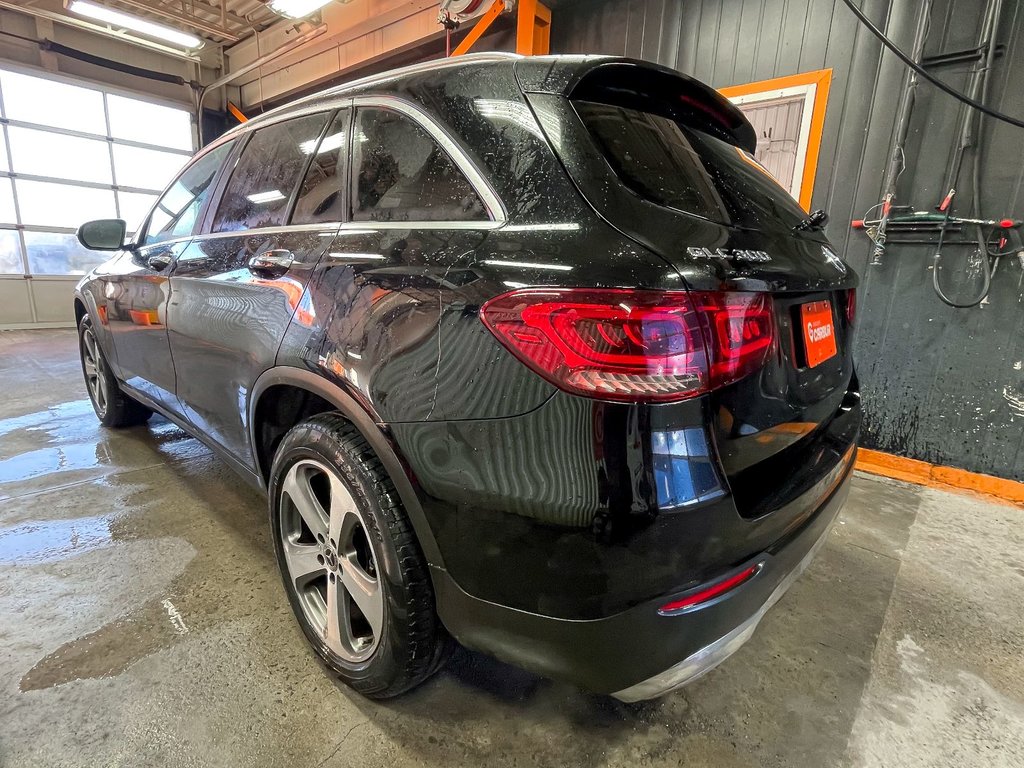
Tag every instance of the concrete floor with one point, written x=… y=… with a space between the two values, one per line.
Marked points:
x=142 y=622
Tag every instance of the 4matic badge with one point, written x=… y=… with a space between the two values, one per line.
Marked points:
x=832 y=258
x=737 y=254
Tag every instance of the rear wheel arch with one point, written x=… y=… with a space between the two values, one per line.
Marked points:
x=317 y=395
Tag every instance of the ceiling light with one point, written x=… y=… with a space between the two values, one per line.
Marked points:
x=296 y=9
x=262 y=198
x=134 y=23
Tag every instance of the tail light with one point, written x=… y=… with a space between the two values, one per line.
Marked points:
x=851 y=306
x=634 y=346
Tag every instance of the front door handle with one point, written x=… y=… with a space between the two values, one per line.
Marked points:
x=159 y=261
x=274 y=263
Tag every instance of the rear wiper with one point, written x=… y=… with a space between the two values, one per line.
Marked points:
x=816 y=220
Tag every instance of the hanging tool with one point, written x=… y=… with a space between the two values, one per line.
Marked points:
x=970 y=122
x=897 y=157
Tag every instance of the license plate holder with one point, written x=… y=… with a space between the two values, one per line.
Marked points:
x=819 y=332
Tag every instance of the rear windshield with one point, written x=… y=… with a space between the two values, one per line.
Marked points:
x=677 y=167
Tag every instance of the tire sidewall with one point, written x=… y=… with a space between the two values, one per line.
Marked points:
x=308 y=443
x=85 y=324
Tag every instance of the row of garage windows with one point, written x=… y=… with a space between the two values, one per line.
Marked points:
x=71 y=153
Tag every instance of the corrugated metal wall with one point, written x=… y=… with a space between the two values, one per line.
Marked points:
x=940 y=384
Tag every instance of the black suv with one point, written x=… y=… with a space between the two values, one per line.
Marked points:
x=525 y=350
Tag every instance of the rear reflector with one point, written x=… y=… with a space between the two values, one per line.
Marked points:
x=708 y=594
x=634 y=346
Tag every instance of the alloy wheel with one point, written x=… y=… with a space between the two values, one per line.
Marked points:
x=95 y=371
x=330 y=561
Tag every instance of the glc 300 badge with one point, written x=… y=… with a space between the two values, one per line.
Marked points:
x=737 y=254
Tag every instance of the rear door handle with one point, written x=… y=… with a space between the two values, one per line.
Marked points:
x=275 y=262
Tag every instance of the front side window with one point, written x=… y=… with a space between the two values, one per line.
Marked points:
x=176 y=211
x=267 y=173
x=401 y=174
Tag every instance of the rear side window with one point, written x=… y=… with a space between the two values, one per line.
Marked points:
x=176 y=210
x=399 y=173
x=678 y=167
x=267 y=173
x=321 y=196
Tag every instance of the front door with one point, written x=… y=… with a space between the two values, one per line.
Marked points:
x=236 y=287
x=137 y=290
x=134 y=308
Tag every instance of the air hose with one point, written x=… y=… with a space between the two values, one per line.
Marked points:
x=979 y=90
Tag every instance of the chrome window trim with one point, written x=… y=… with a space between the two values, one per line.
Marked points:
x=350 y=227
x=283 y=229
x=492 y=203
x=369 y=225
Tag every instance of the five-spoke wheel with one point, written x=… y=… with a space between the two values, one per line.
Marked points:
x=352 y=567
x=330 y=560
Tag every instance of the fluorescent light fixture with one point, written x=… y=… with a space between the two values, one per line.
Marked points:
x=527 y=265
x=134 y=23
x=296 y=9
x=260 y=198
x=510 y=111
x=358 y=256
x=569 y=226
x=334 y=141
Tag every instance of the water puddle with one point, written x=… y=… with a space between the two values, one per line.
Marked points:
x=48 y=541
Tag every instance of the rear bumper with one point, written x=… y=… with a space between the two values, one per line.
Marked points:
x=639 y=654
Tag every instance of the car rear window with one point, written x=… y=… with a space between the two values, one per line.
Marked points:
x=678 y=167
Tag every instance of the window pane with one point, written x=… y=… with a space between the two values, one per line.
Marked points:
x=134 y=206
x=266 y=174
x=44 y=153
x=403 y=175
x=3 y=150
x=320 y=198
x=175 y=214
x=7 y=212
x=56 y=253
x=142 y=121
x=146 y=168
x=10 y=253
x=62 y=205
x=677 y=167
x=48 y=102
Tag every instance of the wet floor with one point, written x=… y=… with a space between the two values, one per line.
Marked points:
x=142 y=622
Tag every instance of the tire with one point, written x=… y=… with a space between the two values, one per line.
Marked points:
x=339 y=528
x=113 y=407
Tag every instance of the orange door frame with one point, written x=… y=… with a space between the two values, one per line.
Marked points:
x=533 y=28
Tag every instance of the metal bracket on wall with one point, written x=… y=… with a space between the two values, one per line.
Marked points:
x=533 y=27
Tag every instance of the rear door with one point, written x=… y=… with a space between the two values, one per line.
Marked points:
x=236 y=287
x=137 y=288
x=391 y=281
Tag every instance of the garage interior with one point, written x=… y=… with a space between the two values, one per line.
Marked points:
x=144 y=621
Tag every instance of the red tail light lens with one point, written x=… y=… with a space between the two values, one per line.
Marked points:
x=851 y=306
x=634 y=346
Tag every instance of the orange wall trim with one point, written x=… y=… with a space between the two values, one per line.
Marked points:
x=946 y=478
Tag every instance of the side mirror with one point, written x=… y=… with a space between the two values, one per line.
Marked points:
x=103 y=234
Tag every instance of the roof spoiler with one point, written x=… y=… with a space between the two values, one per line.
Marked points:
x=643 y=86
